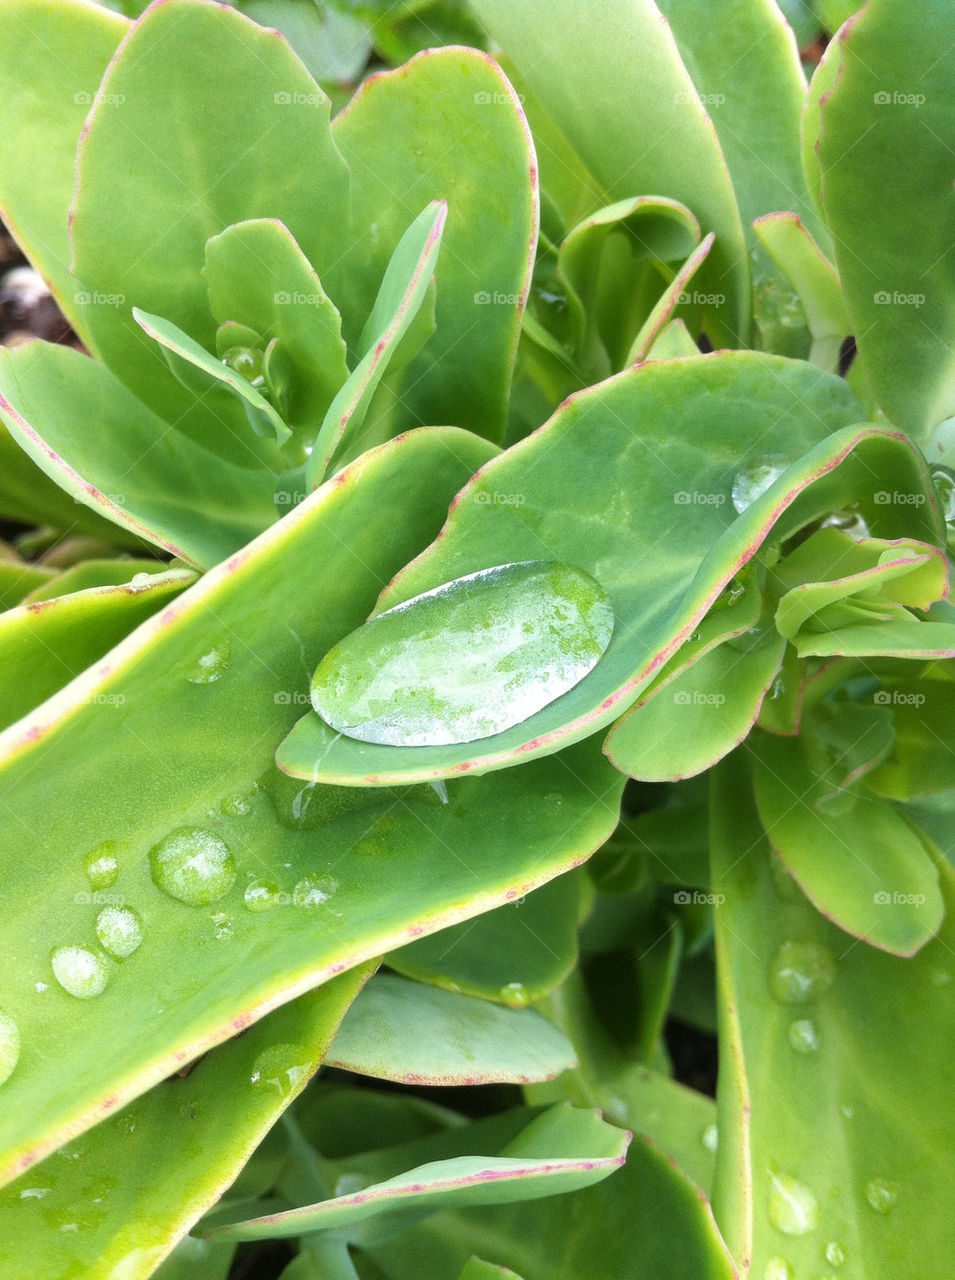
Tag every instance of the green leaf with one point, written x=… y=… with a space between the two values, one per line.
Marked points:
x=417 y=1034
x=671 y=495
x=255 y=144
x=402 y=293
x=209 y=688
x=860 y=862
x=707 y=709
x=137 y=1182
x=887 y=108
x=815 y=280
x=922 y=763
x=47 y=643
x=674 y=295
x=53 y=54
x=447 y=126
x=257 y=275
x=846 y=1140
x=150 y=481
x=668 y=147
x=477 y=1269
x=559 y=1151
x=184 y=356
x=515 y=954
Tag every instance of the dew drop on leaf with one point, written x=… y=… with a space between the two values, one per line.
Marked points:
x=80 y=972
x=222 y=926
x=944 y=481
x=468 y=659
x=101 y=866
x=120 y=931
x=515 y=995
x=261 y=895
x=792 y=1206
x=9 y=1046
x=778 y=1269
x=881 y=1194
x=800 y=972
x=752 y=481
x=710 y=1137
x=237 y=806
x=193 y=866
x=836 y=1253
x=281 y=1068
x=802 y=1036
x=211 y=666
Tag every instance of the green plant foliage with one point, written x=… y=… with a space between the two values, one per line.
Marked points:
x=476 y=700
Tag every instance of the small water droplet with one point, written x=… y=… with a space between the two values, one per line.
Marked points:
x=710 y=1137
x=847 y=1111
x=120 y=931
x=40 y=987
x=440 y=789
x=792 y=1206
x=222 y=926
x=244 y=360
x=313 y=891
x=261 y=895
x=212 y=665
x=753 y=481
x=80 y=972
x=836 y=1253
x=881 y=1194
x=101 y=866
x=778 y=1268
x=140 y=580
x=349 y=1183
x=193 y=866
x=9 y=1046
x=801 y=972
x=236 y=806
x=515 y=994
x=944 y=481
x=34 y=1193
x=802 y=1036
x=281 y=1067
x=458 y=663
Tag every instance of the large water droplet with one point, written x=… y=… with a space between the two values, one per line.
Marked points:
x=801 y=972
x=81 y=972
x=710 y=1137
x=753 y=481
x=792 y=1206
x=836 y=1253
x=468 y=659
x=778 y=1268
x=9 y=1046
x=802 y=1036
x=120 y=931
x=881 y=1194
x=101 y=865
x=350 y=1183
x=193 y=866
x=313 y=891
x=944 y=481
x=212 y=665
x=281 y=1067
x=261 y=895
x=244 y=360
